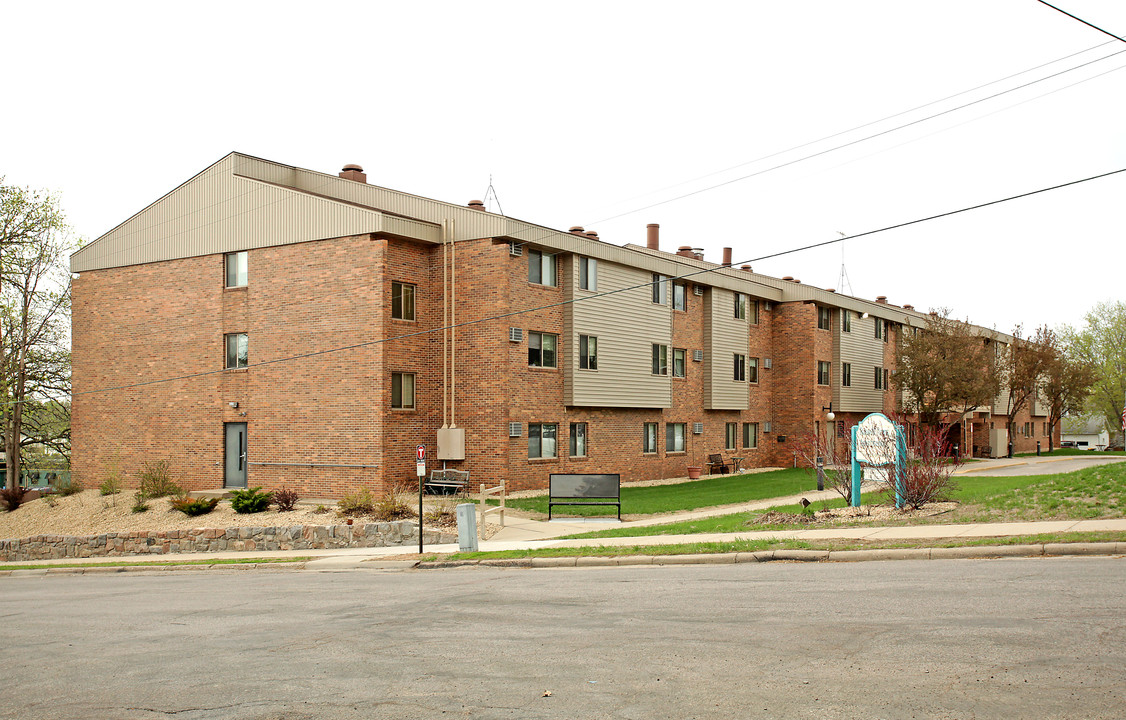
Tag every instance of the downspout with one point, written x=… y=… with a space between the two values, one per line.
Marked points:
x=445 y=324
x=453 y=323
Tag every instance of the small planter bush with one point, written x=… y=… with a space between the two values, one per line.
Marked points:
x=194 y=506
x=156 y=480
x=251 y=500
x=359 y=503
x=286 y=499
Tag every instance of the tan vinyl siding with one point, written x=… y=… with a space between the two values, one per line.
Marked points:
x=217 y=212
x=864 y=351
x=627 y=324
x=724 y=336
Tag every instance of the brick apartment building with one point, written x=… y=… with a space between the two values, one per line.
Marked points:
x=267 y=325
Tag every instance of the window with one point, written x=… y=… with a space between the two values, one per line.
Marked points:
x=674 y=437
x=541 y=349
x=887 y=385
x=588 y=352
x=846 y=374
x=731 y=436
x=541 y=440
x=578 y=439
x=237 y=344
x=402 y=301
x=679 y=296
x=649 y=438
x=236 y=269
x=402 y=390
x=750 y=435
x=588 y=273
x=679 y=366
x=660 y=359
x=541 y=268
x=740 y=367
x=823 y=369
x=879 y=378
x=846 y=321
x=752 y=311
x=823 y=318
x=660 y=282
x=882 y=329
x=740 y=306
x=752 y=370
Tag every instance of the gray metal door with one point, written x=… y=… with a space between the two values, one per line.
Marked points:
x=234 y=466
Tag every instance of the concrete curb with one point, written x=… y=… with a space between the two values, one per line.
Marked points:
x=955 y=553
x=974 y=552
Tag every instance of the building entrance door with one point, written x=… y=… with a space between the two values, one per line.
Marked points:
x=234 y=466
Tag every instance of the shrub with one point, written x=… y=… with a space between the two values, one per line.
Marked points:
x=194 y=506
x=359 y=503
x=139 y=502
x=251 y=500
x=286 y=499
x=111 y=485
x=393 y=506
x=445 y=513
x=156 y=480
x=320 y=510
x=73 y=486
x=12 y=498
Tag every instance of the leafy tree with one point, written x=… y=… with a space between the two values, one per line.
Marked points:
x=1102 y=344
x=1023 y=365
x=1066 y=386
x=945 y=366
x=34 y=321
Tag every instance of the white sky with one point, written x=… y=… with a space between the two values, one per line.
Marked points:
x=581 y=111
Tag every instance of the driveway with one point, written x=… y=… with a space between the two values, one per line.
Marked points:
x=1002 y=467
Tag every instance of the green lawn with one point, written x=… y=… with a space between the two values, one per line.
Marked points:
x=723 y=490
x=1097 y=492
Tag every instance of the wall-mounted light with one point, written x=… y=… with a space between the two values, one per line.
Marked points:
x=829 y=415
x=233 y=404
x=864 y=316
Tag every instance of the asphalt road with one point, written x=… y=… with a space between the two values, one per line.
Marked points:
x=1038 y=466
x=1019 y=638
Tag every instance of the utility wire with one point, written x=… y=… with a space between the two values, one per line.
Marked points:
x=1073 y=17
x=514 y=313
x=853 y=142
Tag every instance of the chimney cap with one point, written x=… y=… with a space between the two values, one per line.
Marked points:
x=476 y=203
x=656 y=225
x=882 y=299
x=352 y=166
x=591 y=234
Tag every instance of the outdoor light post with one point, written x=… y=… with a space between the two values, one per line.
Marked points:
x=830 y=416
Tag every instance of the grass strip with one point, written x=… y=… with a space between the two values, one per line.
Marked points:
x=783 y=544
x=158 y=563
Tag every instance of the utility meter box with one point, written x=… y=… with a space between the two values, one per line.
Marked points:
x=451 y=443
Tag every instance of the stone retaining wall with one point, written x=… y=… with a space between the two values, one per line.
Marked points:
x=164 y=542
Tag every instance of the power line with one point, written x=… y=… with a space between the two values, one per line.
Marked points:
x=854 y=142
x=1073 y=17
x=514 y=313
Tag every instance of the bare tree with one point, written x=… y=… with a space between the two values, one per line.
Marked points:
x=835 y=457
x=34 y=312
x=1066 y=386
x=945 y=366
x=1023 y=366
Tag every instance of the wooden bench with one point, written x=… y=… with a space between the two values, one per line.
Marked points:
x=584 y=489
x=716 y=464
x=446 y=482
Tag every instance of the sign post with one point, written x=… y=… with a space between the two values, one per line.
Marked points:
x=880 y=442
x=420 y=468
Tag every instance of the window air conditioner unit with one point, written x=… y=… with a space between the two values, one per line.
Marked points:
x=698 y=289
x=766 y=426
x=515 y=429
x=766 y=363
x=698 y=428
x=698 y=355
x=515 y=334
x=515 y=250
